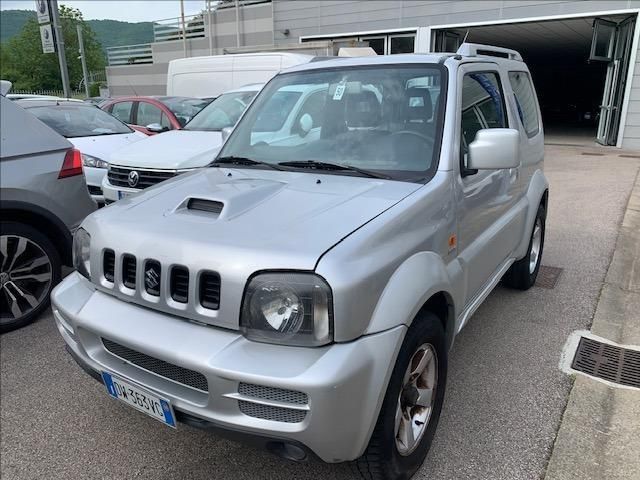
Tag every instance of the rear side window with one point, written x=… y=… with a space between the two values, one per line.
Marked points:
x=148 y=114
x=525 y=101
x=122 y=111
x=482 y=105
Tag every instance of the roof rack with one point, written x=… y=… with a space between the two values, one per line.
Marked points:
x=475 y=49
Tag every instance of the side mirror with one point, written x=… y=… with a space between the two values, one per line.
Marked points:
x=493 y=149
x=305 y=124
x=156 y=128
x=226 y=131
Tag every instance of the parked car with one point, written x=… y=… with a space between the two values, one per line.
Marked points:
x=213 y=75
x=93 y=131
x=164 y=156
x=43 y=199
x=316 y=286
x=152 y=115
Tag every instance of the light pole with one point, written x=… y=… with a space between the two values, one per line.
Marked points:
x=62 y=59
x=83 y=60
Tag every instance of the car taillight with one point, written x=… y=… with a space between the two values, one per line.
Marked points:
x=72 y=164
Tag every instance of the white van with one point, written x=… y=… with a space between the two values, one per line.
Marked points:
x=210 y=76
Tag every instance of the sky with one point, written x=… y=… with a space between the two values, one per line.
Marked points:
x=124 y=10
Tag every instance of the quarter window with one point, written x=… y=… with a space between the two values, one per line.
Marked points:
x=525 y=101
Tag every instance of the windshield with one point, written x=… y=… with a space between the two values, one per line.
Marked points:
x=385 y=119
x=185 y=108
x=79 y=120
x=222 y=112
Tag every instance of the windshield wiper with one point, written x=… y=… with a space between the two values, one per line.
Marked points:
x=233 y=160
x=317 y=165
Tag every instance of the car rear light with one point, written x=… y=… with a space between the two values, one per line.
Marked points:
x=72 y=164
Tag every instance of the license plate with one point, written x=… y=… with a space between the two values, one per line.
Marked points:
x=122 y=194
x=140 y=399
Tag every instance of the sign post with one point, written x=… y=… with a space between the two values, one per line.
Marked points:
x=55 y=18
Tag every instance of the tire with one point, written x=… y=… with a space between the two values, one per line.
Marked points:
x=25 y=252
x=383 y=459
x=522 y=274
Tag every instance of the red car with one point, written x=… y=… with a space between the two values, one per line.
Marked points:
x=155 y=114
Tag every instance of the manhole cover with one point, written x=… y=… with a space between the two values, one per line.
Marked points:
x=548 y=276
x=609 y=362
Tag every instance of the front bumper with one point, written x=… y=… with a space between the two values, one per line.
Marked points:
x=343 y=384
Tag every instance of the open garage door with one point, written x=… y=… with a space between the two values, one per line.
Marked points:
x=581 y=96
x=611 y=43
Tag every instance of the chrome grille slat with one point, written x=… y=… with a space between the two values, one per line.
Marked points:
x=168 y=370
x=119 y=176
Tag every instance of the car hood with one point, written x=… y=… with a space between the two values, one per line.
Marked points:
x=269 y=220
x=172 y=150
x=102 y=146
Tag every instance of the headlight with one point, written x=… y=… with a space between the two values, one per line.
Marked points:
x=95 y=162
x=289 y=309
x=81 y=246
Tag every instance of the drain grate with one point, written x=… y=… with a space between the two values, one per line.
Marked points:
x=548 y=276
x=609 y=362
x=593 y=154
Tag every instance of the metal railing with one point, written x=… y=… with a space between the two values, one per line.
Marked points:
x=171 y=28
x=52 y=93
x=130 y=54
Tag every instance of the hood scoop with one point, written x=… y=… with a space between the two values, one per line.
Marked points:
x=203 y=205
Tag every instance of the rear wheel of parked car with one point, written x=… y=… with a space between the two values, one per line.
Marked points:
x=523 y=273
x=29 y=269
x=411 y=407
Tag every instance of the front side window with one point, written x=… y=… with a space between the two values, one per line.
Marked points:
x=525 y=101
x=223 y=112
x=148 y=114
x=482 y=105
x=79 y=121
x=122 y=111
x=381 y=119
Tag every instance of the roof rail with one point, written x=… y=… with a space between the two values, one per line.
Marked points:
x=475 y=49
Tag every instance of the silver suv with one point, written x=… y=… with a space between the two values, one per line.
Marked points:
x=43 y=198
x=306 y=290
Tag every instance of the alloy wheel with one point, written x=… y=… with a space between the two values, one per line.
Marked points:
x=25 y=277
x=416 y=399
x=536 y=244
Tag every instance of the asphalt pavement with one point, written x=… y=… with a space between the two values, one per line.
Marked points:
x=505 y=394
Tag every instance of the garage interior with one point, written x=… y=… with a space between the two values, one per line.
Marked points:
x=570 y=87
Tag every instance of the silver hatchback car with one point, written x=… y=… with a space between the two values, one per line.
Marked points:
x=306 y=290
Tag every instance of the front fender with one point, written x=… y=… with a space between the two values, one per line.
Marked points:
x=537 y=188
x=414 y=282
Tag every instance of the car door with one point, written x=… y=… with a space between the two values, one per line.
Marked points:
x=485 y=197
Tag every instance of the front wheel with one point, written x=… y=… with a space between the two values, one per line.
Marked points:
x=411 y=407
x=29 y=269
x=523 y=273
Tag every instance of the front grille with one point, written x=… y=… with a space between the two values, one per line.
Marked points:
x=179 y=284
x=271 y=393
x=109 y=265
x=168 y=370
x=119 y=176
x=210 y=290
x=169 y=283
x=267 y=412
x=129 y=271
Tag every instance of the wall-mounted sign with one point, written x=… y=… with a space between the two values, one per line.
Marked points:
x=42 y=10
x=46 y=36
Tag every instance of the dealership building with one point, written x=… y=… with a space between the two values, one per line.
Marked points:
x=583 y=55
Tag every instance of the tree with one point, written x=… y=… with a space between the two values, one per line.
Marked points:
x=23 y=63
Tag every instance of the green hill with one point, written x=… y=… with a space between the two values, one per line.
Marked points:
x=110 y=33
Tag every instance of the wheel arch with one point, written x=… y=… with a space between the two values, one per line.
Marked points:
x=43 y=221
